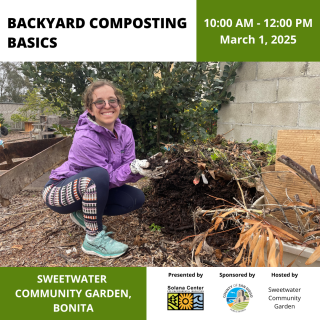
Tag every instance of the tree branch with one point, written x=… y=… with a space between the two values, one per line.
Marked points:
x=311 y=178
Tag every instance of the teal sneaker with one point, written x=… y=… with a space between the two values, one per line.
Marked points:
x=77 y=218
x=104 y=246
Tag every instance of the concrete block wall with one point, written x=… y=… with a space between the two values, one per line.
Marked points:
x=272 y=96
x=8 y=109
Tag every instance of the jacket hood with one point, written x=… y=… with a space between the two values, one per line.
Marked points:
x=85 y=123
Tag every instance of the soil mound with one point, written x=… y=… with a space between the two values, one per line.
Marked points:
x=200 y=176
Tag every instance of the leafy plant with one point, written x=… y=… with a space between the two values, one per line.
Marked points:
x=266 y=147
x=4 y=124
x=34 y=105
x=272 y=148
x=13 y=84
x=155 y=227
x=214 y=157
x=65 y=131
x=19 y=118
x=1 y=119
x=165 y=102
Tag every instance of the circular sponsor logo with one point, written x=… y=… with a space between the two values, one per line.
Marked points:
x=237 y=299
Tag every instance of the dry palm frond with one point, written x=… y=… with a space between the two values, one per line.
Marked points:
x=261 y=238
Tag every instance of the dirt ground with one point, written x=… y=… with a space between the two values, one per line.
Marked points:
x=15 y=136
x=33 y=235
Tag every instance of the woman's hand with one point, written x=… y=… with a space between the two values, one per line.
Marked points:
x=141 y=167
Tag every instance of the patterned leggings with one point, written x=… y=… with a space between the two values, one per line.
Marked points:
x=89 y=191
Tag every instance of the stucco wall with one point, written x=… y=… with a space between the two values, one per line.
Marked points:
x=272 y=96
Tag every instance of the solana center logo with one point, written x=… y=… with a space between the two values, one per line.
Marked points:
x=238 y=297
x=185 y=301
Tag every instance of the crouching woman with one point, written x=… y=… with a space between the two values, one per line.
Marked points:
x=92 y=182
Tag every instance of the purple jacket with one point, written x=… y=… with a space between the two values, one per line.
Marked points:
x=96 y=146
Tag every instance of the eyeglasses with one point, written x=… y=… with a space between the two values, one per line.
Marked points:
x=113 y=103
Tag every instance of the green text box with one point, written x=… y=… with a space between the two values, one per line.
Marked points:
x=224 y=16
x=21 y=281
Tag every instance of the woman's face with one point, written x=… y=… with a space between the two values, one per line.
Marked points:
x=106 y=116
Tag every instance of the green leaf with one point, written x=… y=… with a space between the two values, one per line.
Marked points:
x=214 y=157
x=272 y=148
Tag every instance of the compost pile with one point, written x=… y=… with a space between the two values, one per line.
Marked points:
x=200 y=176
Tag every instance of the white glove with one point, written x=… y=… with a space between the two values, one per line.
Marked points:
x=137 y=165
x=141 y=167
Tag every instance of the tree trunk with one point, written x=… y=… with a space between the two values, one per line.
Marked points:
x=158 y=126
